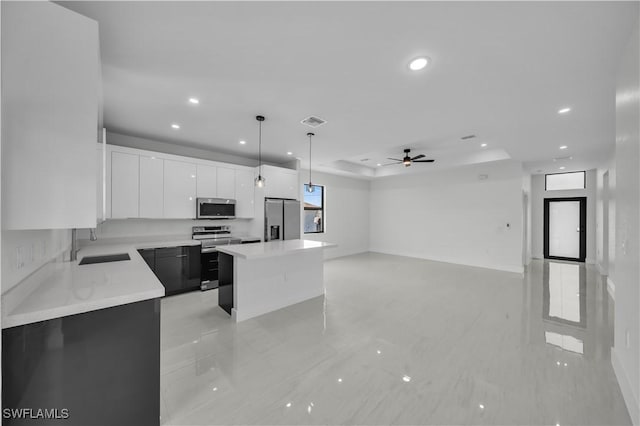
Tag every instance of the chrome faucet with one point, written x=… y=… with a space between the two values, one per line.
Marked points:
x=73 y=256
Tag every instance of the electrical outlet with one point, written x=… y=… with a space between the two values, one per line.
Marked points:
x=19 y=258
x=627 y=339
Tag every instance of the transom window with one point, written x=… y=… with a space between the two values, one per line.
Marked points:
x=564 y=181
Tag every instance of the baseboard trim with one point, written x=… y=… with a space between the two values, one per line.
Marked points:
x=504 y=268
x=611 y=288
x=631 y=401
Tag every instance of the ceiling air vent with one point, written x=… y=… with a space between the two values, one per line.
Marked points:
x=464 y=138
x=313 y=121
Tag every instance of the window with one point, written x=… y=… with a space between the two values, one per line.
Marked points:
x=313 y=209
x=563 y=181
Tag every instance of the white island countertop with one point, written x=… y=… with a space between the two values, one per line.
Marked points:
x=272 y=248
x=61 y=289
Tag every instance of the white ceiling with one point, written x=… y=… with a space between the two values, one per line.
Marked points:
x=499 y=70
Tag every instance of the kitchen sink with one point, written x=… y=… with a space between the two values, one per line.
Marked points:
x=88 y=260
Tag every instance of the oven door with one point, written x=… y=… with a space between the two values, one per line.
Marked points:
x=209 y=269
x=216 y=208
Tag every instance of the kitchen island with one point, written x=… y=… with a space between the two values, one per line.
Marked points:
x=263 y=277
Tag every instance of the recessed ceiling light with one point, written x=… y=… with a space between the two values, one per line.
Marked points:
x=175 y=126
x=484 y=145
x=562 y=168
x=564 y=147
x=564 y=110
x=242 y=142
x=418 y=63
x=194 y=101
x=379 y=164
x=289 y=153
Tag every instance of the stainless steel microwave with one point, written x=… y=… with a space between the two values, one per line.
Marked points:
x=215 y=208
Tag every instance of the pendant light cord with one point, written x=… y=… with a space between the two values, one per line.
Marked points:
x=260 y=147
x=310 y=135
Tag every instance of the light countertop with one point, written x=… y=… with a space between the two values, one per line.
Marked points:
x=60 y=289
x=272 y=248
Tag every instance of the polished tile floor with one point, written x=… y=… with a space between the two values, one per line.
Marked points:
x=401 y=341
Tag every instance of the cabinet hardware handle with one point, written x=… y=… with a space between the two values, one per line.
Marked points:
x=181 y=255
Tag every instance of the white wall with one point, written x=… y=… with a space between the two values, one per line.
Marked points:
x=121 y=139
x=37 y=247
x=347 y=213
x=123 y=228
x=606 y=268
x=625 y=355
x=538 y=194
x=526 y=232
x=452 y=216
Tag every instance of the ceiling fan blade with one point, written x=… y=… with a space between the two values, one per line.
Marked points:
x=390 y=164
x=417 y=157
x=394 y=159
x=424 y=161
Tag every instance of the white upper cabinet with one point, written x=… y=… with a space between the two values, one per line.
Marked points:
x=179 y=189
x=244 y=194
x=151 y=194
x=226 y=183
x=50 y=96
x=281 y=183
x=207 y=181
x=125 y=171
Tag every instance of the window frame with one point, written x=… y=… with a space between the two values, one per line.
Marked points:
x=584 y=181
x=322 y=208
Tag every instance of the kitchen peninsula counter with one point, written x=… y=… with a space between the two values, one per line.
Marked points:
x=263 y=277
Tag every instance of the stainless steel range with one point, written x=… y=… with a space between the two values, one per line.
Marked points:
x=210 y=237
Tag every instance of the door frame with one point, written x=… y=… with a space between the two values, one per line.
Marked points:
x=583 y=228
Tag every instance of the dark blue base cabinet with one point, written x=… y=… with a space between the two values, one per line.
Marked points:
x=103 y=367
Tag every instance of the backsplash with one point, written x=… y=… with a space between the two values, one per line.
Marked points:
x=118 y=228
x=23 y=252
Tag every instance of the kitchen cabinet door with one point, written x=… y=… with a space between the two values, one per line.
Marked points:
x=290 y=188
x=193 y=277
x=125 y=169
x=171 y=268
x=207 y=181
x=226 y=183
x=179 y=190
x=244 y=194
x=50 y=98
x=151 y=187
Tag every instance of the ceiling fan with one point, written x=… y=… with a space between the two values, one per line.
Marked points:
x=407 y=160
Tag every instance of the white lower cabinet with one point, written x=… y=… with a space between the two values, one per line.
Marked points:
x=244 y=194
x=226 y=183
x=151 y=187
x=124 y=185
x=179 y=190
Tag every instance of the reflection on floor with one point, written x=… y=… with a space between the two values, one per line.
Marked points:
x=401 y=341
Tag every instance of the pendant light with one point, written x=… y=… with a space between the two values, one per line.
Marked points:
x=310 y=185
x=260 y=181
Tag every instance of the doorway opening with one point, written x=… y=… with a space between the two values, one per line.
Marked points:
x=565 y=228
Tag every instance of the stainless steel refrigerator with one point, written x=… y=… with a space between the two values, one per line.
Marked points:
x=281 y=219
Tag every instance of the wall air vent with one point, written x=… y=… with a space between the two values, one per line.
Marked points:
x=313 y=121
x=464 y=138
